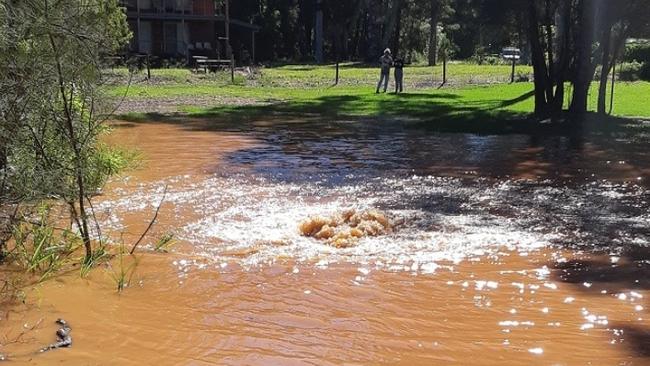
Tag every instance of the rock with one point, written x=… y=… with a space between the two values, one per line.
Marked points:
x=64 y=339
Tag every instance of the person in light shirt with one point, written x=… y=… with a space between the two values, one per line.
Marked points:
x=386 y=61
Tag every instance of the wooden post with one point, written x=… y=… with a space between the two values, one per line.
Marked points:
x=337 y=74
x=148 y=68
x=512 y=74
x=444 y=69
x=228 y=47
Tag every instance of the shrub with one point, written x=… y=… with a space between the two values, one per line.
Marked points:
x=644 y=73
x=630 y=71
x=39 y=248
x=638 y=52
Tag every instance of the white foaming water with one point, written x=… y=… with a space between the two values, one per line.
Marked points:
x=437 y=219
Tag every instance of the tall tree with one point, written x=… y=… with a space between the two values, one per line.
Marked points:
x=618 y=21
x=549 y=53
x=584 y=65
x=433 y=32
x=50 y=61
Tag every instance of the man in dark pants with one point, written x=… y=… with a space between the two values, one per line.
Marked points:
x=386 y=61
x=399 y=74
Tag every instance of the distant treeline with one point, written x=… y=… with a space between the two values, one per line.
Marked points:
x=361 y=29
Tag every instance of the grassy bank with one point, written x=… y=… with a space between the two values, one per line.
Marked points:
x=350 y=74
x=489 y=108
x=630 y=99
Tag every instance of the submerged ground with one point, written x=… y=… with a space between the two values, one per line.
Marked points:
x=519 y=242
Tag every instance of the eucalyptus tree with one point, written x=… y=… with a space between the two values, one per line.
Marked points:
x=51 y=108
x=617 y=22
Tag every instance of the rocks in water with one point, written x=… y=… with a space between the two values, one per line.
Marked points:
x=63 y=336
x=344 y=229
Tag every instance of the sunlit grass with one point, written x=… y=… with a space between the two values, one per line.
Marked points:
x=308 y=88
x=359 y=101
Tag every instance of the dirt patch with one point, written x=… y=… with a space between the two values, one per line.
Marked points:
x=175 y=104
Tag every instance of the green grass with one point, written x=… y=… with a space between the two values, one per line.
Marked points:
x=630 y=98
x=416 y=76
x=302 y=91
x=351 y=74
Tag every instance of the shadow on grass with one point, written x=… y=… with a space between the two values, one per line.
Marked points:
x=437 y=112
x=395 y=127
x=441 y=111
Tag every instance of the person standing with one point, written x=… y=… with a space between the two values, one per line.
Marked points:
x=399 y=74
x=386 y=61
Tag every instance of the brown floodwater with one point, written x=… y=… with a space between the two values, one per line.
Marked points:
x=512 y=249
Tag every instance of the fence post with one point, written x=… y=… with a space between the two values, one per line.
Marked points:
x=337 y=74
x=148 y=67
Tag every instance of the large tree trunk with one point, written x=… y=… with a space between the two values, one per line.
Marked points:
x=540 y=69
x=374 y=30
x=433 y=33
x=395 y=44
x=392 y=26
x=608 y=61
x=604 y=73
x=562 y=41
x=584 y=65
x=318 y=36
x=548 y=29
x=306 y=19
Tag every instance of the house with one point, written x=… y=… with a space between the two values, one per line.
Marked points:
x=185 y=28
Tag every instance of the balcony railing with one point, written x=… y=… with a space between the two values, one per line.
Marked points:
x=186 y=7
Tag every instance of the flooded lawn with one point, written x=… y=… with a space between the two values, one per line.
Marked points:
x=509 y=249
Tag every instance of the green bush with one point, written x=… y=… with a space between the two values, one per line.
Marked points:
x=644 y=73
x=485 y=59
x=639 y=52
x=630 y=71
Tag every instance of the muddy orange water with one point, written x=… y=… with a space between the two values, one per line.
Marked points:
x=514 y=249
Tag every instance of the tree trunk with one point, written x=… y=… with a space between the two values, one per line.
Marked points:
x=306 y=19
x=562 y=57
x=395 y=44
x=318 y=36
x=433 y=33
x=540 y=70
x=611 y=94
x=373 y=31
x=604 y=72
x=550 y=85
x=584 y=64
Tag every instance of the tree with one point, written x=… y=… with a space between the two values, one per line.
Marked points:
x=446 y=50
x=618 y=21
x=584 y=65
x=439 y=10
x=51 y=113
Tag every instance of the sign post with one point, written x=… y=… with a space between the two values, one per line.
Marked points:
x=511 y=54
